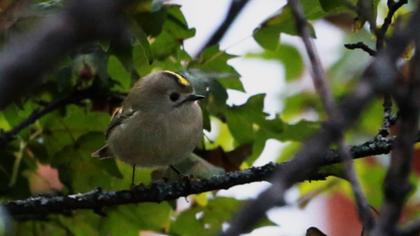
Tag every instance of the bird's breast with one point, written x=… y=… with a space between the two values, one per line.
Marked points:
x=158 y=139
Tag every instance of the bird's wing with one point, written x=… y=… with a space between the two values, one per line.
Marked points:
x=102 y=153
x=118 y=117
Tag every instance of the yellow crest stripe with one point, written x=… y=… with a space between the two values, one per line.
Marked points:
x=180 y=79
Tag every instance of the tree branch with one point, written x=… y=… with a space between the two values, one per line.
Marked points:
x=362 y=46
x=37 y=114
x=380 y=40
x=322 y=87
x=36 y=207
x=380 y=34
x=73 y=98
x=235 y=9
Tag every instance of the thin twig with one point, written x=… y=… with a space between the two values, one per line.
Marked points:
x=37 y=114
x=380 y=34
x=235 y=9
x=362 y=46
x=380 y=40
x=322 y=87
x=73 y=98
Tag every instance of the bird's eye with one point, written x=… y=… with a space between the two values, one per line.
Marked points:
x=174 y=96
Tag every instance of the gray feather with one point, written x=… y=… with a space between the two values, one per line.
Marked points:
x=118 y=118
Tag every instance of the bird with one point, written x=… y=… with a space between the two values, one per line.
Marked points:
x=158 y=125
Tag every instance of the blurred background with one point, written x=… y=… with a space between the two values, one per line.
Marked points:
x=51 y=155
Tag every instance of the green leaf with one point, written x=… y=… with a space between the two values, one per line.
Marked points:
x=134 y=218
x=176 y=24
x=4 y=124
x=277 y=129
x=14 y=114
x=142 y=52
x=286 y=54
x=328 y=5
x=142 y=175
x=300 y=103
x=20 y=188
x=117 y=72
x=61 y=130
x=152 y=22
x=186 y=224
x=288 y=151
x=240 y=127
x=299 y=131
x=243 y=119
x=257 y=148
x=36 y=228
x=213 y=62
x=248 y=123
x=371 y=118
x=170 y=61
x=78 y=170
x=164 y=45
x=87 y=223
x=284 y=22
x=140 y=60
x=267 y=37
x=367 y=10
x=336 y=6
x=174 y=31
x=371 y=175
x=209 y=220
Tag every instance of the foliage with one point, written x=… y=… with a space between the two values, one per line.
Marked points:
x=64 y=138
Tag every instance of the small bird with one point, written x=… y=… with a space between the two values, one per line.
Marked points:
x=159 y=124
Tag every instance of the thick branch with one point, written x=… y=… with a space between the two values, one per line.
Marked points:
x=97 y=199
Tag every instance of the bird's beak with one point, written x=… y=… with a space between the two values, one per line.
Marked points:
x=193 y=97
x=190 y=98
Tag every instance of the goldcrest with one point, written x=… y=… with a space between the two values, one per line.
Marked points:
x=159 y=123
